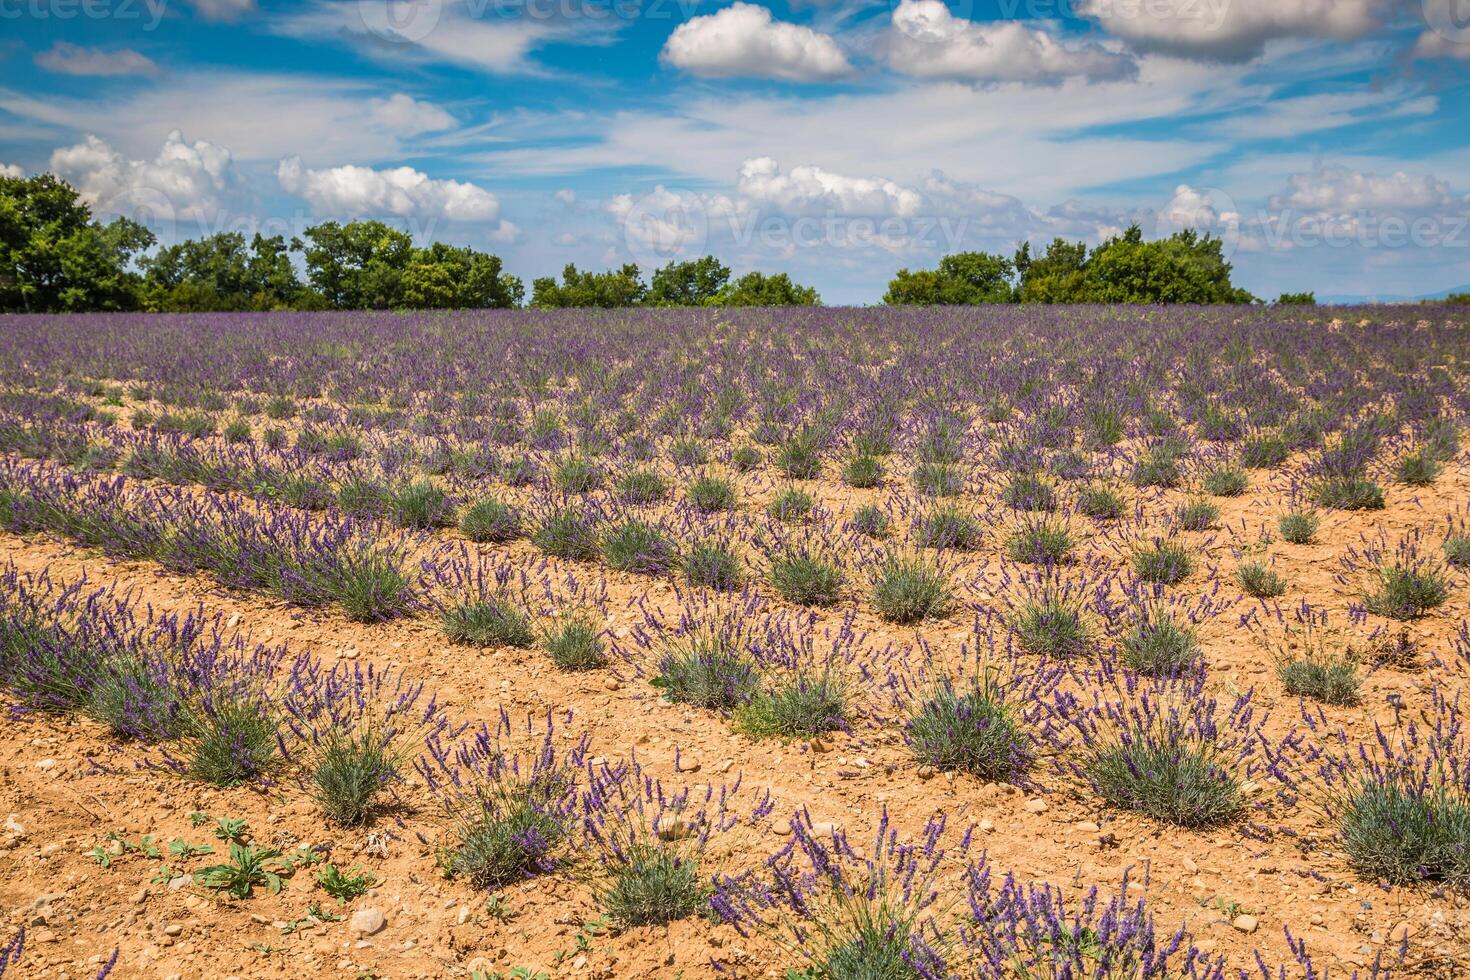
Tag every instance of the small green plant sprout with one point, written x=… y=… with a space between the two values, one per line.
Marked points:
x=231 y=828
x=248 y=868
x=183 y=850
x=344 y=886
x=199 y=818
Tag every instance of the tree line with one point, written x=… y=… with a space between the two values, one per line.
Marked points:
x=55 y=257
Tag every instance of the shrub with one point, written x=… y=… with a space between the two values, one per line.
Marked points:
x=863 y=472
x=1407 y=592
x=490 y=521
x=976 y=732
x=280 y=408
x=507 y=842
x=1418 y=469
x=1160 y=647
x=637 y=546
x=791 y=505
x=1259 y=582
x=348 y=773
x=806 y=578
x=1326 y=678
x=1399 y=831
x=651 y=886
x=1051 y=626
x=1039 y=541
x=641 y=487
x=1157 y=470
x=800 y=457
x=363 y=495
x=688 y=452
x=802 y=707
x=237 y=431
x=519 y=471
x=908 y=589
x=712 y=565
x=1457 y=550
x=1197 y=515
x=576 y=474
x=1163 y=562
x=1225 y=482
x=1158 y=771
x=870 y=521
x=704 y=669
x=231 y=742
x=1029 y=492
x=567 y=534
x=711 y=493
x=1264 y=452
x=1101 y=503
x=1348 y=493
x=938 y=479
x=493 y=622
x=422 y=505
x=1299 y=526
x=746 y=459
x=575 y=643
x=947 y=527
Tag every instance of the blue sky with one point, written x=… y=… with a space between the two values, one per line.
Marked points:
x=1327 y=141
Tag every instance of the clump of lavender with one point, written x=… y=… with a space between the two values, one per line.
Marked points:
x=841 y=914
x=1402 y=584
x=1165 y=749
x=1398 y=805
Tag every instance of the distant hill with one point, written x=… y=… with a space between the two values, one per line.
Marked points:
x=1389 y=298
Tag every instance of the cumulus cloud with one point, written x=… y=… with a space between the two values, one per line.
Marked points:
x=1230 y=30
x=73 y=59
x=11 y=170
x=398 y=192
x=1448 y=33
x=810 y=189
x=566 y=195
x=185 y=180
x=744 y=40
x=927 y=41
x=404 y=114
x=1340 y=190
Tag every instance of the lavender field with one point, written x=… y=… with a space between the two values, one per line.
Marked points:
x=1018 y=642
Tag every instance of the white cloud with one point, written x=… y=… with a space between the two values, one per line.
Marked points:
x=1230 y=30
x=1333 y=191
x=471 y=35
x=810 y=189
x=184 y=180
x=260 y=117
x=404 y=114
x=566 y=196
x=399 y=192
x=222 y=9
x=926 y=41
x=72 y=59
x=12 y=170
x=743 y=40
x=1448 y=33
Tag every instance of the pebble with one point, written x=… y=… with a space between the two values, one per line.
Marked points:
x=1245 y=923
x=1036 y=806
x=46 y=765
x=1188 y=865
x=1088 y=826
x=927 y=772
x=1401 y=931
x=612 y=684
x=368 y=922
x=14 y=826
x=987 y=825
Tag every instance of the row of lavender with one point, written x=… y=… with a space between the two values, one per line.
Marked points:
x=202 y=701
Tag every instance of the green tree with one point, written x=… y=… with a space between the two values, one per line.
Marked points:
x=54 y=257
x=962 y=279
x=692 y=283
x=1183 y=268
x=1297 y=299
x=445 y=277
x=759 y=289
x=220 y=272
x=359 y=265
x=1053 y=277
x=613 y=288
